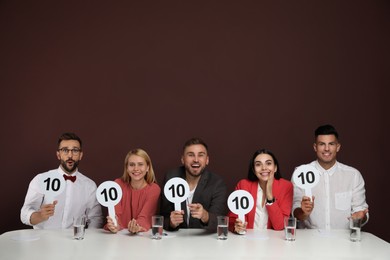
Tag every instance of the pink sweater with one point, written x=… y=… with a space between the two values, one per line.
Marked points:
x=138 y=204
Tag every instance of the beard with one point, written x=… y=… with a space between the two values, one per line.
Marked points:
x=66 y=168
x=196 y=174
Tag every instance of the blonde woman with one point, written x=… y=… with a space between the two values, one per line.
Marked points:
x=140 y=194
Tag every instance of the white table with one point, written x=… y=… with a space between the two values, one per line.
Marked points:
x=189 y=244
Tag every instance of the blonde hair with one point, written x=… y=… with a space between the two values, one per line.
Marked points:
x=149 y=177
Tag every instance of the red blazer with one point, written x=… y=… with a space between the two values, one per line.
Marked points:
x=283 y=193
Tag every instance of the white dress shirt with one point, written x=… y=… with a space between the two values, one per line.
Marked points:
x=78 y=198
x=261 y=215
x=339 y=193
x=188 y=202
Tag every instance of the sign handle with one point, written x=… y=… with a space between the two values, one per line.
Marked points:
x=308 y=193
x=242 y=217
x=177 y=206
x=49 y=199
x=111 y=213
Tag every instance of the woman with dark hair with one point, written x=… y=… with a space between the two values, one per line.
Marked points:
x=272 y=195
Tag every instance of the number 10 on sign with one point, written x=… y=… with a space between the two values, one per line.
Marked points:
x=240 y=202
x=306 y=177
x=108 y=194
x=52 y=184
x=176 y=190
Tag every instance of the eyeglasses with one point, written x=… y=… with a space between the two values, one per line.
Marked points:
x=66 y=151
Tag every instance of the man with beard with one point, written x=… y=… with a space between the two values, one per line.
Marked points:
x=78 y=197
x=207 y=198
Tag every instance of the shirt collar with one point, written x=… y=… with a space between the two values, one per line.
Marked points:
x=63 y=172
x=330 y=171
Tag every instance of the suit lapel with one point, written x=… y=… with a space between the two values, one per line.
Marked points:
x=200 y=187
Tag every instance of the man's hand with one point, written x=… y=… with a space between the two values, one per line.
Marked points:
x=306 y=208
x=176 y=218
x=47 y=210
x=360 y=214
x=197 y=211
x=307 y=205
x=44 y=213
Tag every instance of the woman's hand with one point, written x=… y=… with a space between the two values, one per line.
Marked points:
x=239 y=226
x=134 y=227
x=270 y=182
x=111 y=226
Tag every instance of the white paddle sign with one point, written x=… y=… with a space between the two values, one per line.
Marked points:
x=240 y=202
x=176 y=190
x=51 y=184
x=306 y=177
x=108 y=194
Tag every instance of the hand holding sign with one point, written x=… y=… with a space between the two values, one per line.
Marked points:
x=306 y=177
x=240 y=202
x=108 y=194
x=51 y=184
x=176 y=190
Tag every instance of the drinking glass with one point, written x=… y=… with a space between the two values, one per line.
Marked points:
x=290 y=226
x=157 y=226
x=79 y=227
x=222 y=229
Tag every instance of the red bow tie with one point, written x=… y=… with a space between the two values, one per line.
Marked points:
x=71 y=178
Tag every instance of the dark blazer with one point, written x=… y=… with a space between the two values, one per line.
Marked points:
x=211 y=192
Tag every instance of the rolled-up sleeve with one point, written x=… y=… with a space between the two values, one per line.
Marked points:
x=32 y=201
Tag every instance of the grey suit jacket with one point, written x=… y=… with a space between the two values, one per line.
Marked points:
x=211 y=192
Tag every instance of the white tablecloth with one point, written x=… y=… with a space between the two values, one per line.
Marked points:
x=189 y=244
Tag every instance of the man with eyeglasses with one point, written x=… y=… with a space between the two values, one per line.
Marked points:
x=78 y=197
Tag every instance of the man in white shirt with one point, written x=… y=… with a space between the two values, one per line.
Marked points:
x=78 y=197
x=340 y=193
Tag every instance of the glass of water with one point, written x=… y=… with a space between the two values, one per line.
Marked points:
x=157 y=226
x=355 y=225
x=290 y=226
x=222 y=229
x=79 y=227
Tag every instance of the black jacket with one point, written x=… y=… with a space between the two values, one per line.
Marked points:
x=211 y=192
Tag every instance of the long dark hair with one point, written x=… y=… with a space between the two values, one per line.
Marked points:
x=251 y=172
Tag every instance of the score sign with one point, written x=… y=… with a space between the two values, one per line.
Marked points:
x=306 y=177
x=240 y=202
x=108 y=194
x=176 y=190
x=51 y=184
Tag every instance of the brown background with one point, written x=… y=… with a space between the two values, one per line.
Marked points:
x=240 y=74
